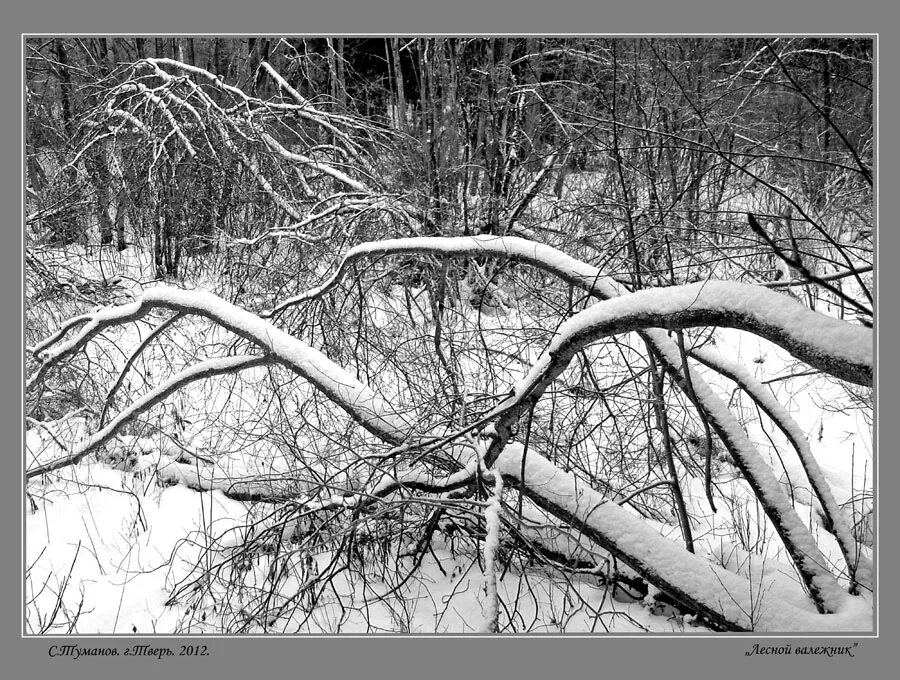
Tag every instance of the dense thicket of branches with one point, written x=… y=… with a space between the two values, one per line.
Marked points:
x=500 y=206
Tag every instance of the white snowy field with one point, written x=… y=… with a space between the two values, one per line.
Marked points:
x=105 y=547
x=531 y=359
x=112 y=542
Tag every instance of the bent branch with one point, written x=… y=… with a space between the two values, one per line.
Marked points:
x=723 y=597
x=749 y=307
x=206 y=369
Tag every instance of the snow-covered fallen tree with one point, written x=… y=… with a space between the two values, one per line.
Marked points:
x=460 y=462
x=583 y=364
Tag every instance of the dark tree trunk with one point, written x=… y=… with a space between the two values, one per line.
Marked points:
x=394 y=48
x=338 y=88
x=65 y=85
x=101 y=190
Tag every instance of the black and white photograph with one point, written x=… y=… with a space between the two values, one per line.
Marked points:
x=439 y=335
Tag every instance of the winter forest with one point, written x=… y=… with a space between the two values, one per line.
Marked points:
x=448 y=335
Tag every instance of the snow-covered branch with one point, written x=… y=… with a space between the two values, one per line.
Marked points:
x=318 y=165
x=721 y=303
x=338 y=384
x=678 y=307
x=714 y=303
x=726 y=599
x=370 y=438
x=252 y=488
x=543 y=257
x=491 y=622
x=859 y=566
x=842 y=349
x=205 y=369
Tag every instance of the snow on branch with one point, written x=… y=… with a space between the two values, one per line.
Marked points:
x=539 y=255
x=156 y=63
x=205 y=369
x=161 y=105
x=841 y=349
x=813 y=566
x=712 y=303
x=859 y=566
x=639 y=309
x=837 y=347
x=811 y=563
x=275 y=489
x=310 y=112
x=338 y=384
x=726 y=599
x=491 y=622
x=318 y=165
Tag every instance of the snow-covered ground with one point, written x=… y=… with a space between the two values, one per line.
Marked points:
x=112 y=546
x=112 y=541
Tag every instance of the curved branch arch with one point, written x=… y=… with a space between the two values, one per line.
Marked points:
x=838 y=347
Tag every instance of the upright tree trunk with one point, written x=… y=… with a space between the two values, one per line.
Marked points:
x=65 y=85
x=398 y=84
x=431 y=121
x=68 y=230
x=257 y=52
x=102 y=193
x=121 y=242
x=36 y=176
x=99 y=157
x=532 y=113
x=217 y=58
x=449 y=150
x=191 y=54
x=338 y=88
x=827 y=103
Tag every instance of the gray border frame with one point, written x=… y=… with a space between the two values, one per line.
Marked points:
x=438 y=657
